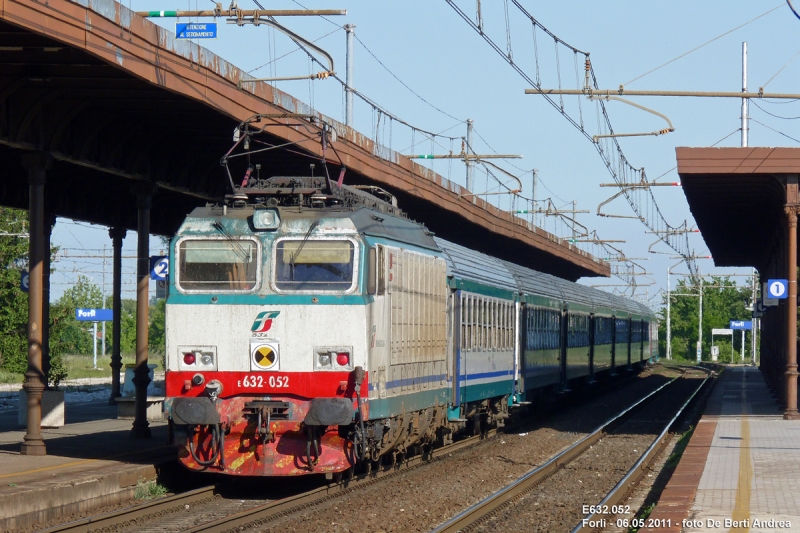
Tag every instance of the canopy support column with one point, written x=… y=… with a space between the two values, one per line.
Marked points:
x=36 y=164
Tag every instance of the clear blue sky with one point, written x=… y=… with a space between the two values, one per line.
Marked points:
x=444 y=61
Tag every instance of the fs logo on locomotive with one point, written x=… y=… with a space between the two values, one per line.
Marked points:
x=263 y=321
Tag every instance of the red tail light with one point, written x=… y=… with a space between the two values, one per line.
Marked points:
x=342 y=358
x=188 y=358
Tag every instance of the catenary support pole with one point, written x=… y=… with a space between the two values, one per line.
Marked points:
x=669 y=318
x=350 y=29
x=700 y=326
x=36 y=164
x=745 y=111
x=469 y=163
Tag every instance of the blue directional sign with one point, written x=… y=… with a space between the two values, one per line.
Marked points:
x=25 y=281
x=94 y=315
x=195 y=30
x=742 y=324
x=777 y=288
x=159 y=267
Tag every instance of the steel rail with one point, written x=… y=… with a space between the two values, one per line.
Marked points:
x=146 y=511
x=137 y=514
x=141 y=513
x=485 y=508
x=260 y=516
x=622 y=489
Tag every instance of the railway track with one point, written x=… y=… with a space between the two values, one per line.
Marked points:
x=211 y=509
x=601 y=515
x=182 y=506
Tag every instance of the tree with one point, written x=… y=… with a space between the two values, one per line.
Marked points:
x=13 y=301
x=68 y=335
x=723 y=301
x=156 y=332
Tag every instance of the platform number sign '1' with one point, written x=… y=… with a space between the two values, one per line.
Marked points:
x=778 y=288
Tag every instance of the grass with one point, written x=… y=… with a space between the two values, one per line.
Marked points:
x=677 y=452
x=81 y=366
x=147 y=490
x=642 y=516
x=666 y=472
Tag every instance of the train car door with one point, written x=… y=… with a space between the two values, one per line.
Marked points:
x=379 y=340
x=458 y=347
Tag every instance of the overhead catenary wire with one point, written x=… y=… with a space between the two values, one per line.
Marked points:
x=773 y=129
x=383 y=65
x=779 y=71
x=608 y=148
x=704 y=44
x=772 y=114
x=381 y=115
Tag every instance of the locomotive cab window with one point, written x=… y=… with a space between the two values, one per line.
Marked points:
x=314 y=265
x=217 y=265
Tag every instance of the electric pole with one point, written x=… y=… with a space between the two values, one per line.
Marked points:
x=350 y=29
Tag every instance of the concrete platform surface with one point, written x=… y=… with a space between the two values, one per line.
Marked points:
x=741 y=469
x=91 y=461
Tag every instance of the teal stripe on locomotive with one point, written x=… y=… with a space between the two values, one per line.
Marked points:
x=408 y=402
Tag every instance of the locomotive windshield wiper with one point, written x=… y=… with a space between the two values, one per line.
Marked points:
x=299 y=248
x=219 y=227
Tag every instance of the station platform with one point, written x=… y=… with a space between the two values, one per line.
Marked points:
x=741 y=469
x=91 y=461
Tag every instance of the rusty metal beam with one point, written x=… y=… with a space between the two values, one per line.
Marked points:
x=151 y=57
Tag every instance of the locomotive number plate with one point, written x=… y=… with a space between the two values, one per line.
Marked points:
x=259 y=381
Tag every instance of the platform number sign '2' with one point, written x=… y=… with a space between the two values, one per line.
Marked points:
x=778 y=288
x=159 y=267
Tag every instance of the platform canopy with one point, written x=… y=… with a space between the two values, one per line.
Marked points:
x=737 y=197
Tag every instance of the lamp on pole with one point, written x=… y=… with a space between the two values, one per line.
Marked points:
x=700 y=326
x=669 y=311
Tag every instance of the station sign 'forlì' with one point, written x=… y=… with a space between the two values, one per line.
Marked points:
x=94 y=315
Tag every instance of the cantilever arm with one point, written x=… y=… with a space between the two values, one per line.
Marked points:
x=643 y=108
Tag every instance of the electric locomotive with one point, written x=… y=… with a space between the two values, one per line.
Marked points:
x=312 y=328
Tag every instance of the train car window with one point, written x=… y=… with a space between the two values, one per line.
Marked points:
x=372 y=271
x=217 y=265
x=381 y=269
x=314 y=265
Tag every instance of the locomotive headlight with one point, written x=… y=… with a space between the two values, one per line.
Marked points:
x=325 y=359
x=266 y=219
